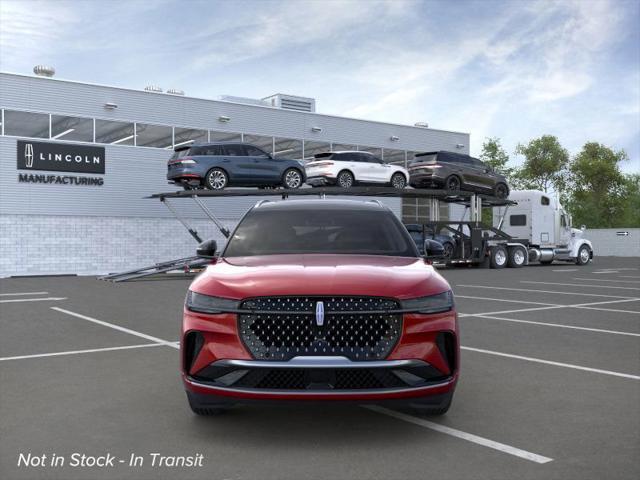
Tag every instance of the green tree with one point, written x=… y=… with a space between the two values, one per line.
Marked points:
x=545 y=165
x=631 y=211
x=495 y=156
x=599 y=192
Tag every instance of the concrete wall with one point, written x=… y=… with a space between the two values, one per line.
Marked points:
x=607 y=242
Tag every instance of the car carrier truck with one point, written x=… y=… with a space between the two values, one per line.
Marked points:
x=529 y=227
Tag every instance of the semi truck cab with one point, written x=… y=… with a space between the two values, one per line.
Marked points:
x=541 y=224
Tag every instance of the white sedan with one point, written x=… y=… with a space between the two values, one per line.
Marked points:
x=346 y=169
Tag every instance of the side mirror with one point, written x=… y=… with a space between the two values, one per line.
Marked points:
x=207 y=249
x=583 y=227
x=433 y=249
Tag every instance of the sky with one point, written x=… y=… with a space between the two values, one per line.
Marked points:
x=514 y=69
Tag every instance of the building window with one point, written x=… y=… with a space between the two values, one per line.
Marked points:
x=26 y=124
x=224 y=136
x=417 y=210
x=312 y=148
x=185 y=136
x=341 y=147
x=115 y=133
x=395 y=157
x=288 y=148
x=264 y=143
x=376 y=151
x=71 y=128
x=158 y=136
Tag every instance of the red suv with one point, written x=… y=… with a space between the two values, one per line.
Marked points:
x=319 y=300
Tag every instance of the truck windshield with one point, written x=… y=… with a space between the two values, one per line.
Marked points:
x=330 y=231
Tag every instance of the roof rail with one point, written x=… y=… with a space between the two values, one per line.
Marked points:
x=260 y=202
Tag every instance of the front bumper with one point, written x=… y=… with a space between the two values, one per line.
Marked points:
x=218 y=368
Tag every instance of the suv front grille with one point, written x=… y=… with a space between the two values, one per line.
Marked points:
x=354 y=327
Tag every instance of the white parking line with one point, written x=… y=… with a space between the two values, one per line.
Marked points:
x=566 y=270
x=76 y=352
x=552 y=307
x=580 y=285
x=558 y=325
x=528 y=290
x=47 y=299
x=556 y=364
x=506 y=300
x=629 y=276
x=469 y=437
x=117 y=327
x=22 y=293
x=605 y=280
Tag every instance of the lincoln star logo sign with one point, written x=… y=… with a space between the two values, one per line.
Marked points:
x=320 y=314
x=28 y=155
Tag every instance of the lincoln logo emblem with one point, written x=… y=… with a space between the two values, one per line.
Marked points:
x=320 y=314
x=28 y=155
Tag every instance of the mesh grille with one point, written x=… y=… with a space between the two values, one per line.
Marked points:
x=339 y=379
x=287 y=327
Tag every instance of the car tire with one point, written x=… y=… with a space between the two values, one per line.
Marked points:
x=517 y=257
x=292 y=178
x=499 y=257
x=449 y=249
x=501 y=191
x=216 y=179
x=453 y=184
x=345 y=179
x=398 y=180
x=584 y=255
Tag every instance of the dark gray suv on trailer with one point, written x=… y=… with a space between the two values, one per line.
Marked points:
x=222 y=164
x=455 y=171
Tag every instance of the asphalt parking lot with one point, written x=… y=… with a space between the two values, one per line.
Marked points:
x=550 y=387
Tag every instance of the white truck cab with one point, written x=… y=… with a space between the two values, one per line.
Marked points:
x=539 y=223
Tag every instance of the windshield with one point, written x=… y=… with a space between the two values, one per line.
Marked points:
x=332 y=231
x=184 y=152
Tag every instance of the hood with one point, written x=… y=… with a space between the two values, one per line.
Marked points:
x=273 y=275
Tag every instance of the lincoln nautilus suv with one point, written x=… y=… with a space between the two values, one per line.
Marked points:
x=319 y=300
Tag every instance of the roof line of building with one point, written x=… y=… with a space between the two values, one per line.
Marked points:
x=230 y=102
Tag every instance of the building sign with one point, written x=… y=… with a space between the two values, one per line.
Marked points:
x=60 y=157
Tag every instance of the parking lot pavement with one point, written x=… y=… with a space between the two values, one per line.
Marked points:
x=550 y=386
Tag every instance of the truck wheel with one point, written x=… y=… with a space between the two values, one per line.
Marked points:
x=498 y=256
x=584 y=255
x=517 y=257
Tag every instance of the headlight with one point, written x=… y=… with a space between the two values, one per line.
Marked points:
x=443 y=302
x=197 y=302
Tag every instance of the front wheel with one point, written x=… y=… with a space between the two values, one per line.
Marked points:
x=398 y=181
x=501 y=191
x=584 y=255
x=292 y=178
x=217 y=179
x=448 y=250
x=345 y=179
